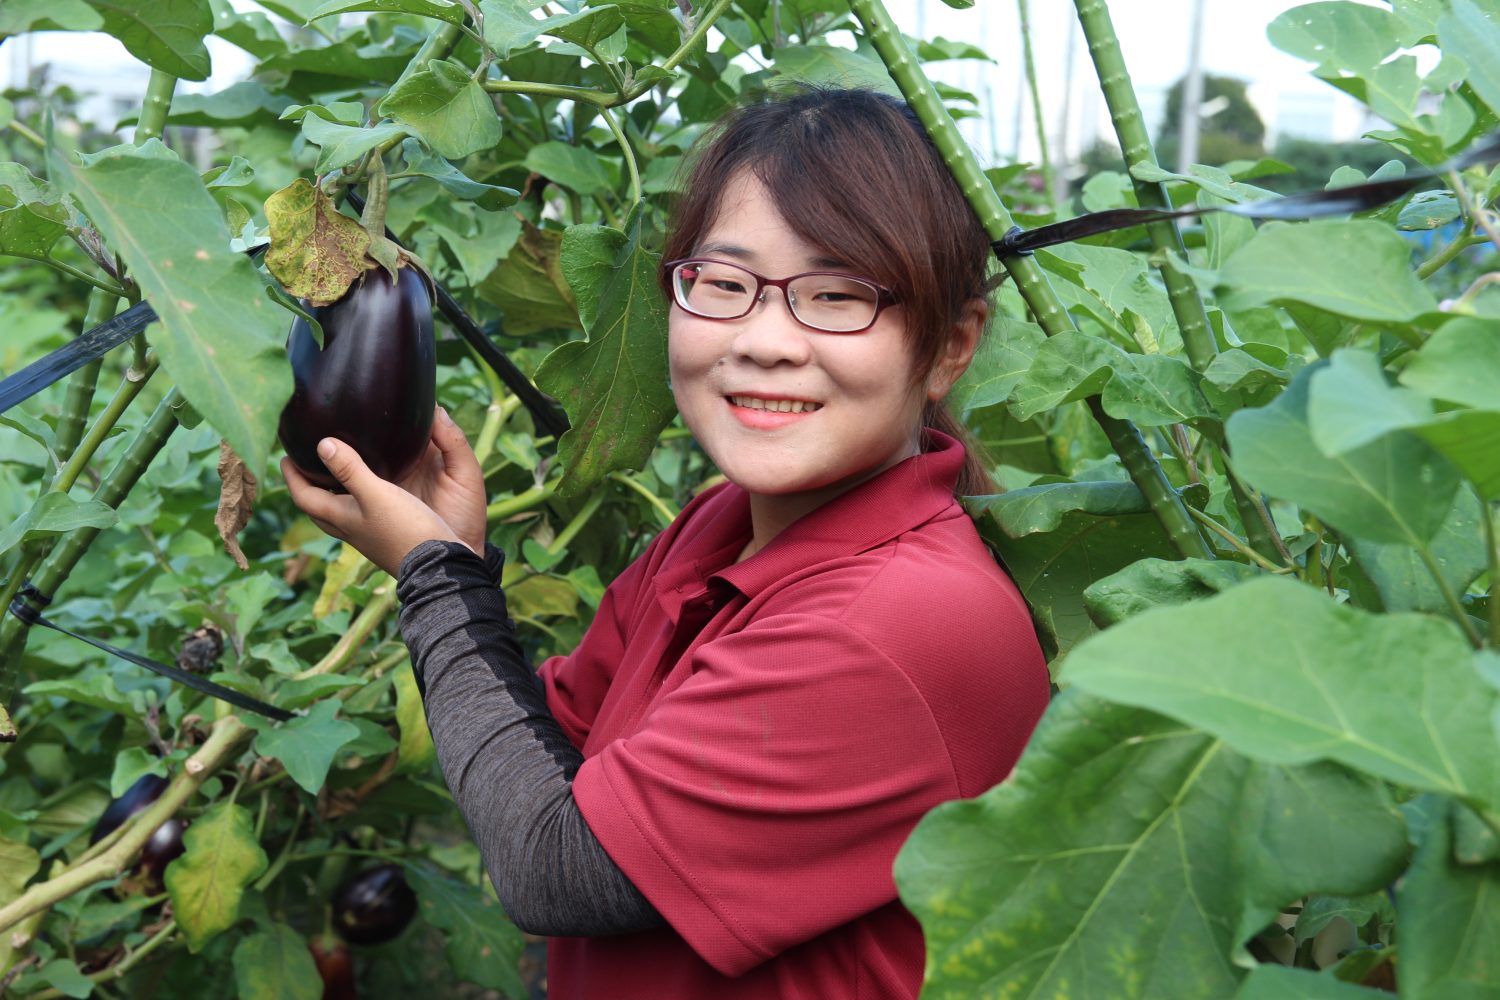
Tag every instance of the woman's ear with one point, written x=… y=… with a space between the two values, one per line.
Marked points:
x=959 y=350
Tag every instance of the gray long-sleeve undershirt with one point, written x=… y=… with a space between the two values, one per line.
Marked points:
x=506 y=759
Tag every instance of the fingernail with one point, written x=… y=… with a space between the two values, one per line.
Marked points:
x=443 y=415
x=326 y=448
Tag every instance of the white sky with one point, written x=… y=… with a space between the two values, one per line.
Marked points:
x=1153 y=36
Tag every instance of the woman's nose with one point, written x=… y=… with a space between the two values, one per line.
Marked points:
x=771 y=335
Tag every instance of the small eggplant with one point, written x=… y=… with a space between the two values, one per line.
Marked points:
x=335 y=968
x=161 y=848
x=373 y=383
x=146 y=790
x=373 y=906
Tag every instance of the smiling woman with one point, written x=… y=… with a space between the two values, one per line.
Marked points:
x=705 y=798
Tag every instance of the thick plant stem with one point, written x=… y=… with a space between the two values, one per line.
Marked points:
x=155 y=106
x=1028 y=275
x=1135 y=142
x=382 y=601
x=81 y=386
x=111 y=855
x=1023 y=8
x=134 y=382
x=116 y=484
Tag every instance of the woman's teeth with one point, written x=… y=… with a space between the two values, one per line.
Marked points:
x=775 y=405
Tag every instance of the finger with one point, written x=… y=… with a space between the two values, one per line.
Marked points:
x=347 y=467
x=314 y=501
x=458 y=457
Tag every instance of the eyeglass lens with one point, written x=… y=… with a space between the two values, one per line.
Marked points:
x=829 y=302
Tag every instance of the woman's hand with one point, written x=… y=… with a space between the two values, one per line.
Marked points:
x=443 y=499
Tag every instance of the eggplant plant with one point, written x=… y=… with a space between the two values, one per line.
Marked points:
x=1251 y=472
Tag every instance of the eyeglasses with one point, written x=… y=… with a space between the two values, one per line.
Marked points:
x=821 y=300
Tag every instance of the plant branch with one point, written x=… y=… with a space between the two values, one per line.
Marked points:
x=509 y=507
x=582 y=95
x=25 y=132
x=129 y=389
x=101 y=284
x=82 y=385
x=1449 y=597
x=1477 y=214
x=1237 y=543
x=1443 y=257
x=923 y=98
x=155 y=106
x=665 y=510
x=381 y=603
x=1036 y=98
x=226 y=739
x=620 y=137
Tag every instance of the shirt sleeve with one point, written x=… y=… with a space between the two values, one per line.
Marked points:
x=764 y=800
x=506 y=760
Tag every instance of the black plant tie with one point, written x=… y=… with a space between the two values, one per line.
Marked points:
x=27 y=606
x=1006 y=246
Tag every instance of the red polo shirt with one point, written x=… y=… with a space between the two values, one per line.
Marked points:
x=761 y=737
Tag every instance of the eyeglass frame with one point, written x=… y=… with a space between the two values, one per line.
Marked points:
x=884 y=296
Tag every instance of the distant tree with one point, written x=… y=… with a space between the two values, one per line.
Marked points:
x=1231 y=131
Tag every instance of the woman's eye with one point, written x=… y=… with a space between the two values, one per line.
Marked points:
x=726 y=285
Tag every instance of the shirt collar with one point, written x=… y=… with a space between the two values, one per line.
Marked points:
x=909 y=493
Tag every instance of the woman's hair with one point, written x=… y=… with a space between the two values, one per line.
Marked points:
x=855 y=176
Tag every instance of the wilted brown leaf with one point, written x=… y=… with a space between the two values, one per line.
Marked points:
x=316 y=252
x=236 y=501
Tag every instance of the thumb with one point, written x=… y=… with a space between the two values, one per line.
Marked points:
x=458 y=458
x=346 y=465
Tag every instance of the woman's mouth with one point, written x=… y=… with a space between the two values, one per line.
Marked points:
x=775 y=405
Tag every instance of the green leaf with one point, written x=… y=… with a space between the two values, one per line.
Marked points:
x=245 y=103
x=20 y=16
x=1449 y=919
x=316 y=251
x=1281 y=982
x=1395 y=489
x=53 y=514
x=1003 y=357
x=132 y=764
x=1428 y=210
x=1470 y=439
x=1473 y=34
x=1359 y=269
x=1149 y=389
x=305 y=745
x=275 y=964
x=207 y=882
x=510 y=26
x=1402 y=577
x=95 y=690
x=1339 y=687
x=1339 y=37
x=416 y=752
x=1127 y=855
x=587 y=28
x=482 y=945
x=220 y=338
x=1319 y=911
x=341 y=145
x=1042 y=508
x=1460 y=363
x=573 y=167
x=63 y=975
x=1053 y=568
x=832 y=66
x=1351 y=403
x=419 y=160
x=31 y=218
x=441 y=10
x=614 y=385
x=529 y=286
x=164 y=34
x=447 y=108
x=1152 y=583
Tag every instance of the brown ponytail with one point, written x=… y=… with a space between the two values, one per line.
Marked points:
x=974 y=478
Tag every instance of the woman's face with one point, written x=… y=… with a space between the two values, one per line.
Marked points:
x=860 y=406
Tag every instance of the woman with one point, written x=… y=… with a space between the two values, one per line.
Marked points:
x=706 y=797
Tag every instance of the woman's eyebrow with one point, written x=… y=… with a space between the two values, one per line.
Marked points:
x=741 y=253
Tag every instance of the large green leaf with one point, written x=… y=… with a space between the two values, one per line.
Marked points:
x=341 y=145
x=1294 y=677
x=1152 y=583
x=307 y=744
x=164 y=34
x=419 y=160
x=18 y=16
x=31 y=217
x=1395 y=489
x=573 y=167
x=1472 y=32
x=1403 y=578
x=1339 y=37
x=207 y=882
x=446 y=107
x=1042 y=508
x=529 y=286
x=1003 y=357
x=1358 y=269
x=1460 y=363
x=1149 y=389
x=614 y=385
x=1281 y=982
x=1052 y=568
x=416 y=750
x=275 y=964
x=220 y=338
x=483 y=946
x=1448 y=916
x=1128 y=856
x=442 y=10
x=509 y=24
x=54 y=513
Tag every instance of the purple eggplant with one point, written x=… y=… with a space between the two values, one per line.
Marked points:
x=373 y=906
x=372 y=384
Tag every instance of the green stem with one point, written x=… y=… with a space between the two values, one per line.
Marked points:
x=1449 y=597
x=580 y=519
x=919 y=92
x=1492 y=552
x=102 y=284
x=437 y=46
x=1445 y=256
x=1237 y=543
x=700 y=30
x=668 y=515
x=155 y=106
x=1036 y=96
x=381 y=603
x=582 y=95
x=520 y=503
x=134 y=382
x=27 y=133
x=82 y=385
x=635 y=176
x=1135 y=141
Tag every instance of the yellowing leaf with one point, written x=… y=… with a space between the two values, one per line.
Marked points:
x=207 y=882
x=316 y=252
